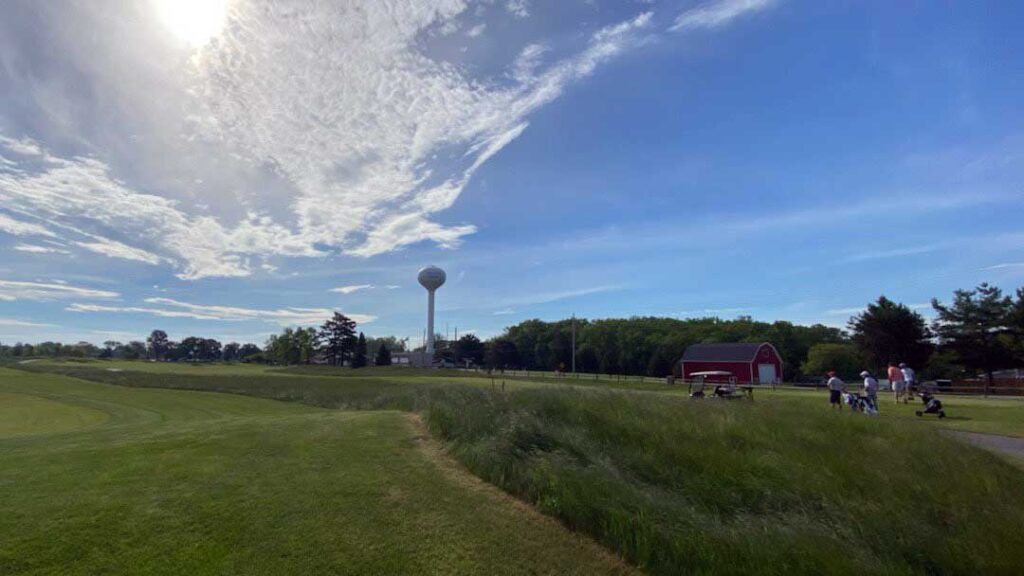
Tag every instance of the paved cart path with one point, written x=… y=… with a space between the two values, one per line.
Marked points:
x=994 y=442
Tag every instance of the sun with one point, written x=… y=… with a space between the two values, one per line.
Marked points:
x=194 y=22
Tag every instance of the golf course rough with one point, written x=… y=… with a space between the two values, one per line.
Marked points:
x=777 y=486
x=105 y=479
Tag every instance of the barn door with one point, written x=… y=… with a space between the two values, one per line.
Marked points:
x=766 y=373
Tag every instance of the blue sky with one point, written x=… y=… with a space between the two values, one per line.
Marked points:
x=226 y=169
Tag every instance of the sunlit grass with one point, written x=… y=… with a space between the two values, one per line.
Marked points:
x=779 y=485
x=176 y=482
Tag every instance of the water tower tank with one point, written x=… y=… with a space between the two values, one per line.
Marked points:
x=432 y=277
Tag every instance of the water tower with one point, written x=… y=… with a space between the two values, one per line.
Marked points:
x=431 y=278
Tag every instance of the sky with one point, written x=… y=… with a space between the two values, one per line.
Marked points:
x=226 y=168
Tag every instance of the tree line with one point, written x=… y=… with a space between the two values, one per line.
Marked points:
x=650 y=346
x=980 y=331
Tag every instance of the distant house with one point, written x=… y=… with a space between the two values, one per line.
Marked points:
x=746 y=361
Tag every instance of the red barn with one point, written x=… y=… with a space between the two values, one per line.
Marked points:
x=748 y=362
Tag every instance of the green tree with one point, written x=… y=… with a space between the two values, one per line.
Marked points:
x=501 y=354
x=305 y=341
x=1015 y=324
x=360 y=353
x=975 y=327
x=158 y=344
x=845 y=359
x=337 y=338
x=393 y=343
x=943 y=365
x=133 y=350
x=661 y=362
x=198 y=349
x=109 y=348
x=230 y=352
x=383 y=356
x=586 y=359
x=889 y=332
x=469 y=347
x=248 y=351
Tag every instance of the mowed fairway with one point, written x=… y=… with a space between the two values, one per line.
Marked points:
x=97 y=479
x=782 y=485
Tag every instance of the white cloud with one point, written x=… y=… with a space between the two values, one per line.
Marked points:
x=376 y=136
x=476 y=30
x=717 y=13
x=708 y=312
x=504 y=312
x=22 y=323
x=360 y=287
x=351 y=289
x=857 y=310
x=547 y=297
x=34 y=249
x=69 y=193
x=11 y=290
x=1005 y=266
x=894 y=253
x=368 y=135
x=114 y=249
x=20 y=228
x=22 y=146
x=526 y=64
x=844 y=311
x=518 y=8
x=168 y=308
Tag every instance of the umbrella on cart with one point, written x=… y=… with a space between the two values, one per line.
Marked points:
x=696 y=383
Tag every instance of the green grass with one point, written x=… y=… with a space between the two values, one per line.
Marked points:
x=175 y=482
x=25 y=414
x=781 y=485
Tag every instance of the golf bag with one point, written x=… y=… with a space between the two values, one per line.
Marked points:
x=932 y=405
x=859 y=403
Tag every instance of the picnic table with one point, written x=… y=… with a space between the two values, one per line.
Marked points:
x=736 y=391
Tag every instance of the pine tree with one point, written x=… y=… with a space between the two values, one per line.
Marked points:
x=975 y=326
x=890 y=332
x=337 y=338
x=383 y=357
x=359 y=355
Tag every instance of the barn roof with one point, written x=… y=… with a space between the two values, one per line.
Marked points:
x=731 y=352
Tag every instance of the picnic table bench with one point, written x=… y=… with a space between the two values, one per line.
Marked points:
x=736 y=391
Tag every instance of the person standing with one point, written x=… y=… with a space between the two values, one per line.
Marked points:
x=870 y=388
x=896 y=381
x=909 y=381
x=835 y=390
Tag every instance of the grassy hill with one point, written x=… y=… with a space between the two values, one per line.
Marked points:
x=781 y=485
x=100 y=479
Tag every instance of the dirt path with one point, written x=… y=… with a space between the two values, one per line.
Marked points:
x=465 y=479
x=1007 y=445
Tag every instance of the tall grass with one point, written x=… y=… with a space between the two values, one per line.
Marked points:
x=678 y=486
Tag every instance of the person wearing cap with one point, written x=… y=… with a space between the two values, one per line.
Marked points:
x=835 y=390
x=909 y=381
x=870 y=388
x=896 y=381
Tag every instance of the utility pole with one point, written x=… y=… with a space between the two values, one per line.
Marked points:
x=574 y=343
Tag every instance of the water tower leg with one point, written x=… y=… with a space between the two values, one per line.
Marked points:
x=430 y=323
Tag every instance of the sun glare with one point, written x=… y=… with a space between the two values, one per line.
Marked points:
x=195 y=22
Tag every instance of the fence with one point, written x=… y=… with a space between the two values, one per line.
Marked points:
x=569 y=376
x=979 y=386
x=970 y=387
